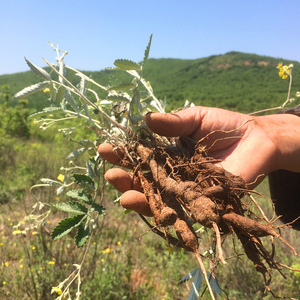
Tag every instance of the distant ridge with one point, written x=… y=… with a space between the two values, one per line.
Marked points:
x=235 y=80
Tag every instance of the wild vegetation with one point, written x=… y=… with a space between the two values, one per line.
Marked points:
x=116 y=266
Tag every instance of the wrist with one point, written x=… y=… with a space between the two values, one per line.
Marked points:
x=284 y=131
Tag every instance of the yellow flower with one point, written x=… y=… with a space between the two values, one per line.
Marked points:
x=21 y=266
x=51 y=262
x=56 y=290
x=170 y=249
x=33 y=247
x=61 y=177
x=119 y=244
x=6 y=264
x=102 y=260
x=34 y=233
x=46 y=90
x=4 y=282
x=284 y=71
x=17 y=232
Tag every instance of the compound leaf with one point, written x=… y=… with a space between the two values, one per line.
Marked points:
x=125 y=64
x=65 y=226
x=72 y=207
x=38 y=71
x=80 y=195
x=31 y=90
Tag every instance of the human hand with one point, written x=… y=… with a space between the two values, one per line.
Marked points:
x=247 y=146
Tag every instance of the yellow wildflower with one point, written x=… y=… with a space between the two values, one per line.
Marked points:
x=17 y=232
x=51 y=262
x=4 y=282
x=119 y=244
x=56 y=290
x=6 y=264
x=170 y=249
x=46 y=90
x=61 y=177
x=33 y=247
x=34 y=233
x=284 y=71
x=21 y=266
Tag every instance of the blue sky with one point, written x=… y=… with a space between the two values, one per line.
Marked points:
x=96 y=32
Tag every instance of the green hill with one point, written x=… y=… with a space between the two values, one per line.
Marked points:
x=237 y=81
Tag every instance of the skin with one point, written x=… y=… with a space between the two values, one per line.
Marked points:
x=248 y=146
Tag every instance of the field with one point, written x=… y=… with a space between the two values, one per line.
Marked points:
x=124 y=260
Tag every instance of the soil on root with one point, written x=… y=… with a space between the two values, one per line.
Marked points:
x=182 y=183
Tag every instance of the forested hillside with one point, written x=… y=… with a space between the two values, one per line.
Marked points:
x=237 y=81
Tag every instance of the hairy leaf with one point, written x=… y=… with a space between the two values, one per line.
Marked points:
x=65 y=226
x=81 y=178
x=60 y=93
x=46 y=110
x=71 y=101
x=126 y=64
x=52 y=91
x=80 y=195
x=99 y=208
x=72 y=207
x=62 y=71
x=31 y=90
x=76 y=153
x=38 y=71
x=147 y=50
x=51 y=182
x=125 y=86
x=117 y=98
x=82 y=235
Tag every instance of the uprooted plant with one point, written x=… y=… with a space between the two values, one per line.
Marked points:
x=182 y=184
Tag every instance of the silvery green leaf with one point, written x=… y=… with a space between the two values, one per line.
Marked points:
x=90 y=169
x=51 y=182
x=71 y=101
x=118 y=98
x=82 y=85
x=76 y=153
x=147 y=50
x=38 y=71
x=31 y=90
x=125 y=64
x=60 y=190
x=62 y=71
x=46 y=110
x=52 y=91
x=60 y=93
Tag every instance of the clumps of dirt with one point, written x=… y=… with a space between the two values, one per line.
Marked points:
x=182 y=184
